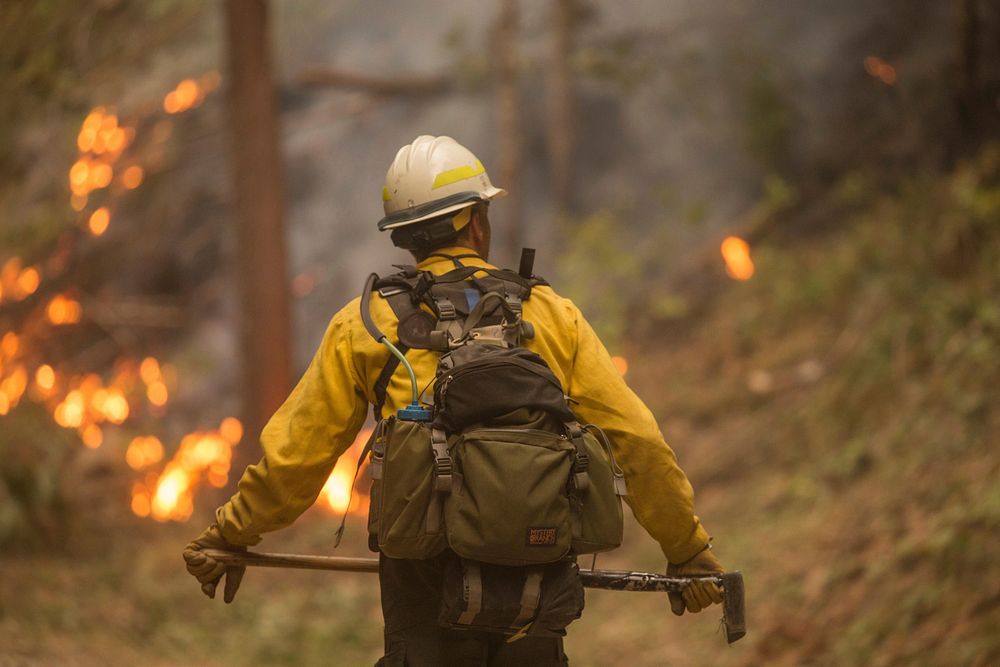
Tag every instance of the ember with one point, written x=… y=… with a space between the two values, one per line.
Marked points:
x=736 y=253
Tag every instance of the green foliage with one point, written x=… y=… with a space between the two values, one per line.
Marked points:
x=769 y=120
x=599 y=260
x=33 y=453
x=48 y=48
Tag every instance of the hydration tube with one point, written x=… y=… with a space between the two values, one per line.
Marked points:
x=414 y=411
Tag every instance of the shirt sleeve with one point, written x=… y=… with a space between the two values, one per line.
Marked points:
x=660 y=494
x=301 y=442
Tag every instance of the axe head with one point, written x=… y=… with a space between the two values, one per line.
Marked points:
x=733 y=610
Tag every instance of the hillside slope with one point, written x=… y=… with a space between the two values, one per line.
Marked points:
x=838 y=417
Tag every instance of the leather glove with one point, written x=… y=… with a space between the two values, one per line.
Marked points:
x=209 y=571
x=699 y=595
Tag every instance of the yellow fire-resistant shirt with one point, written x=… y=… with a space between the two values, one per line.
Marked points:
x=327 y=408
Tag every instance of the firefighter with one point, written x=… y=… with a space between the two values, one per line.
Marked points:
x=436 y=199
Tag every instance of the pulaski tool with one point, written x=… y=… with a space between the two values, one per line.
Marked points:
x=733 y=613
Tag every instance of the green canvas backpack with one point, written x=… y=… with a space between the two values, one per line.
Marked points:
x=498 y=470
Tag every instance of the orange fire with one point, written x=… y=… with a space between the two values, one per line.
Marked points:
x=336 y=493
x=88 y=404
x=621 y=365
x=63 y=310
x=132 y=177
x=92 y=436
x=12 y=388
x=186 y=95
x=156 y=386
x=99 y=221
x=9 y=345
x=17 y=283
x=143 y=451
x=45 y=379
x=736 y=253
x=203 y=456
x=881 y=70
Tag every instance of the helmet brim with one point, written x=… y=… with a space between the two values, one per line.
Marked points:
x=438 y=208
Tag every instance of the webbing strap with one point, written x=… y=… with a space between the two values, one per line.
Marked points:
x=350 y=496
x=442 y=480
x=456 y=259
x=473 y=580
x=442 y=460
x=581 y=461
x=531 y=594
x=382 y=383
x=580 y=477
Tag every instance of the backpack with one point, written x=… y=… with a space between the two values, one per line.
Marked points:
x=499 y=470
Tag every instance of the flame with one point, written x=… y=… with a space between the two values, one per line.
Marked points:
x=231 y=429
x=92 y=436
x=88 y=174
x=156 y=387
x=101 y=141
x=115 y=406
x=336 y=493
x=140 y=500
x=203 y=456
x=736 y=252
x=9 y=345
x=143 y=451
x=63 y=310
x=13 y=386
x=99 y=220
x=28 y=281
x=149 y=370
x=17 y=283
x=621 y=365
x=45 y=379
x=881 y=70
x=172 y=499
x=132 y=177
x=70 y=412
x=157 y=394
x=186 y=95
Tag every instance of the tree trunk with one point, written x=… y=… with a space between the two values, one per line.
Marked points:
x=508 y=91
x=967 y=93
x=561 y=102
x=261 y=272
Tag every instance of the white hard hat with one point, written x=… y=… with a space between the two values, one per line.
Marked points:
x=431 y=177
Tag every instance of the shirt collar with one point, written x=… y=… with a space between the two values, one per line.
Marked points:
x=472 y=260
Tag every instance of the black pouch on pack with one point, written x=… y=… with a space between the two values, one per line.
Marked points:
x=538 y=601
x=512 y=379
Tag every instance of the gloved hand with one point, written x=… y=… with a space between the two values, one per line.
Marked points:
x=209 y=571
x=699 y=595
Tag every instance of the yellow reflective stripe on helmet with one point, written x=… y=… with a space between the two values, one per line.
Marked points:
x=386 y=195
x=457 y=174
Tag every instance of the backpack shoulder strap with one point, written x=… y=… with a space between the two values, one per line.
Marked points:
x=413 y=324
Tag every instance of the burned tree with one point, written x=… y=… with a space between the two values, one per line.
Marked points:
x=261 y=268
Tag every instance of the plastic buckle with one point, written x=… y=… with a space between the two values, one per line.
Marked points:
x=514 y=301
x=442 y=474
x=446 y=309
